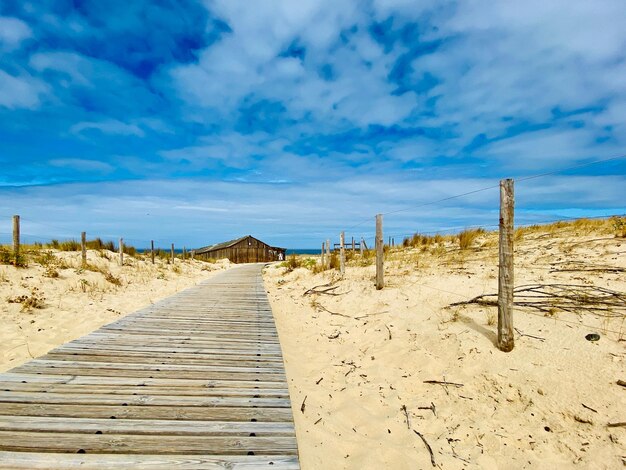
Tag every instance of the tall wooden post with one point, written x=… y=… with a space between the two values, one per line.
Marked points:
x=361 y=246
x=323 y=261
x=506 y=268
x=342 y=253
x=328 y=252
x=184 y=252
x=352 y=244
x=152 y=250
x=380 y=281
x=83 y=247
x=16 y=240
x=172 y=253
x=121 y=252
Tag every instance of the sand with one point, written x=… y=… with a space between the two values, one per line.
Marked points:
x=361 y=370
x=79 y=301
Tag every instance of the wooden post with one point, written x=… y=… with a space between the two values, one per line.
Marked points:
x=342 y=253
x=380 y=281
x=16 y=240
x=184 y=252
x=83 y=247
x=352 y=244
x=361 y=246
x=152 y=250
x=323 y=261
x=121 y=252
x=393 y=241
x=328 y=252
x=172 y=253
x=505 y=279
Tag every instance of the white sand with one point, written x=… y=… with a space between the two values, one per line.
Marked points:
x=80 y=301
x=515 y=410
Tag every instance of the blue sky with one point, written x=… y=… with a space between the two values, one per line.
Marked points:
x=195 y=122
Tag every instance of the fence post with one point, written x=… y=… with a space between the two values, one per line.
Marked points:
x=152 y=250
x=16 y=240
x=121 y=252
x=323 y=261
x=184 y=252
x=352 y=244
x=172 y=253
x=342 y=253
x=505 y=279
x=328 y=252
x=380 y=281
x=83 y=247
x=361 y=246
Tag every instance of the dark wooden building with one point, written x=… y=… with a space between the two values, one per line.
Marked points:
x=242 y=250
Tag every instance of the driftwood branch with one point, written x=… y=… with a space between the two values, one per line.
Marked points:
x=303 y=406
x=329 y=288
x=430 y=450
x=568 y=297
x=406 y=414
x=442 y=382
x=529 y=336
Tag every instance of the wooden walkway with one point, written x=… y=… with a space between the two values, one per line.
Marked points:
x=194 y=381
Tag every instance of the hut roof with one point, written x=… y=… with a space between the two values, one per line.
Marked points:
x=228 y=244
x=220 y=246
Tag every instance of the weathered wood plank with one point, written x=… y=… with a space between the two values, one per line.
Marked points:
x=144 y=444
x=143 y=426
x=138 y=381
x=144 y=399
x=204 y=391
x=146 y=412
x=31 y=460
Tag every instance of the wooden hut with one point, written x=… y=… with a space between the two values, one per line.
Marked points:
x=242 y=250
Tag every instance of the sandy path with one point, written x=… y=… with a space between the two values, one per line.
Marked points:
x=359 y=370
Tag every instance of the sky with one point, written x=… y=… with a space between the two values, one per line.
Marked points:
x=197 y=122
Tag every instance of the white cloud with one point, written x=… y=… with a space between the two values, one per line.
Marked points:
x=13 y=32
x=109 y=126
x=21 y=91
x=82 y=165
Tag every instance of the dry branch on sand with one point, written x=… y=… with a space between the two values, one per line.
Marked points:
x=568 y=297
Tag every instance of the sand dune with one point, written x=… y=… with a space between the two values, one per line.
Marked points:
x=360 y=359
x=39 y=312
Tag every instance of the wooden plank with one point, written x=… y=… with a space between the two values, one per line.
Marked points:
x=170 y=349
x=188 y=359
x=141 y=400
x=32 y=460
x=144 y=426
x=74 y=410
x=25 y=441
x=101 y=372
x=184 y=368
x=9 y=378
x=147 y=390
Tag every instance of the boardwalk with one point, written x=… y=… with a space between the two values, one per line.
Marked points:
x=194 y=381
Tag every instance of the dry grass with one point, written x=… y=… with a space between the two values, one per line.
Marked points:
x=468 y=237
x=29 y=302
